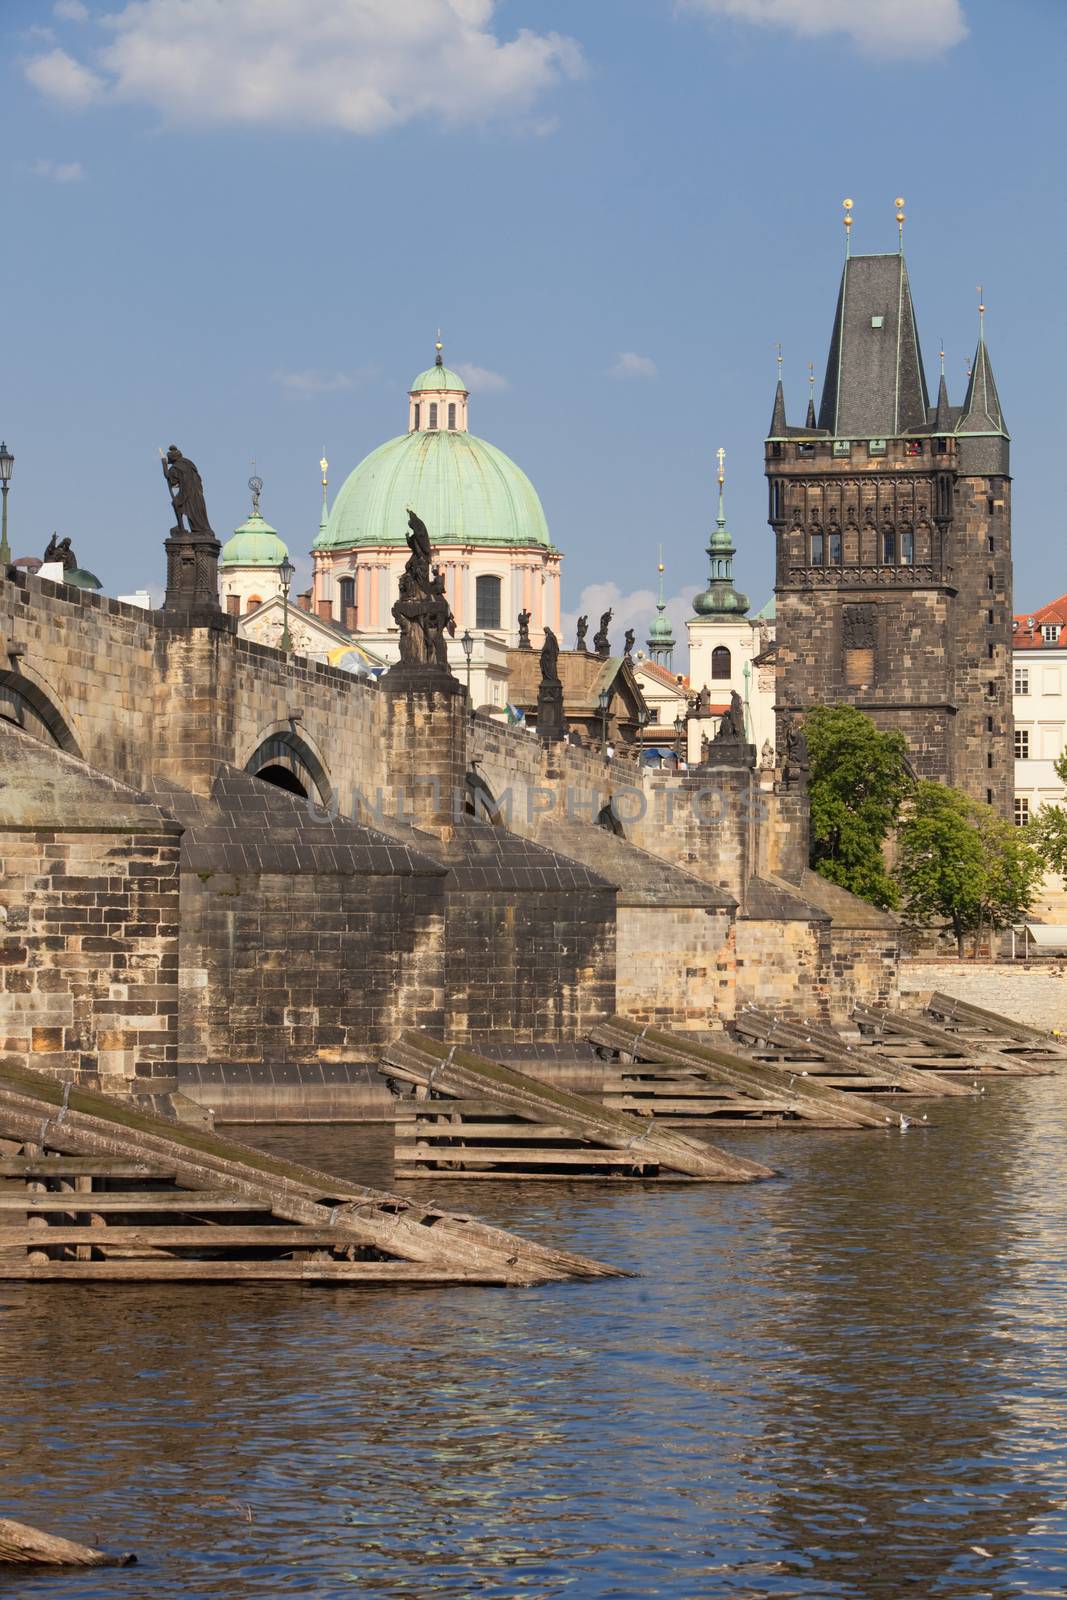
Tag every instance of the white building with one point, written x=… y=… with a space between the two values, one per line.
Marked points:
x=1039 y=704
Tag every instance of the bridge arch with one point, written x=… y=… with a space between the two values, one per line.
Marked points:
x=289 y=759
x=33 y=705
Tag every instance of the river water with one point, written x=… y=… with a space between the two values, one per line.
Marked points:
x=847 y=1382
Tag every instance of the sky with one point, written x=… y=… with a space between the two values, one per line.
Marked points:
x=238 y=225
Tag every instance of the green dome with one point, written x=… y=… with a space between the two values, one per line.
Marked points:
x=438 y=378
x=464 y=489
x=660 y=628
x=80 y=578
x=254 y=544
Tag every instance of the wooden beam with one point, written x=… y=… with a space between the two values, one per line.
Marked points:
x=162 y=1270
x=47 y=1166
x=23 y=1546
x=172 y=1236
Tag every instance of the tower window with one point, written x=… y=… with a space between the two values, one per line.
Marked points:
x=347 y=590
x=876 y=447
x=451 y=414
x=991 y=647
x=940 y=447
x=433 y=413
x=835 y=551
x=842 y=447
x=818 y=555
x=991 y=545
x=889 y=547
x=720 y=662
x=913 y=447
x=804 y=450
x=1022 y=744
x=989 y=724
x=252 y=602
x=989 y=797
x=776 y=449
x=989 y=617
x=990 y=582
x=418 y=416
x=487 y=601
x=907 y=549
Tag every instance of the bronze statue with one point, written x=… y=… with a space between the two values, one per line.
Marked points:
x=187 y=492
x=601 y=642
x=628 y=642
x=524 y=630
x=583 y=629
x=59 y=550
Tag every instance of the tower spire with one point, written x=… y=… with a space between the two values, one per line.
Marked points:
x=809 y=421
x=721 y=601
x=981 y=412
x=660 y=641
x=778 y=422
x=439 y=358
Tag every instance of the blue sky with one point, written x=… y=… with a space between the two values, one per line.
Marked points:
x=237 y=224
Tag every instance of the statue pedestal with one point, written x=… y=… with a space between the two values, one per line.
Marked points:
x=192 y=576
x=728 y=753
x=550 y=720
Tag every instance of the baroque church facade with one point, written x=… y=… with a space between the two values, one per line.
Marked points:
x=892 y=524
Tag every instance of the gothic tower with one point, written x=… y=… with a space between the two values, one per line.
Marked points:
x=892 y=521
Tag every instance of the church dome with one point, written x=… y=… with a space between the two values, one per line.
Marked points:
x=254 y=544
x=660 y=628
x=465 y=490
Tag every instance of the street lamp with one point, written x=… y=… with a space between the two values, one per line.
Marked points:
x=467 y=641
x=604 y=699
x=7 y=461
x=286 y=574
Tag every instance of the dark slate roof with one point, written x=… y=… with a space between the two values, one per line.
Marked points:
x=981 y=407
x=778 y=422
x=251 y=826
x=944 y=420
x=875 y=386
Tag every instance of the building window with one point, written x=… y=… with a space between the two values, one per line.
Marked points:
x=940 y=447
x=1022 y=810
x=989 y=618
x=889 y=548
x=907 y=549
x=842 y=447
x=805 y=450
x=776 y=449
x=817 y=549
x=433 y=413
x=991 y=649
x=989 y=724
x=1022 y=744
x=720 y=662
x=989 y=758
x=653 y=713
x=451 y=414
x=989 y=582
x=1022 y=680
x=487 y=602
x=989 y=797
x=233 y=605
x=991 y=690
x=418 y=417
x=913 y=447
x=876 y=447
x=834 y=548
x=347 y=590
x=1050 y=632
x=992 y=545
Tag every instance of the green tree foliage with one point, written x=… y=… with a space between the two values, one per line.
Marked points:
x=962 y=866
x=1048 y=828
x=859 y=781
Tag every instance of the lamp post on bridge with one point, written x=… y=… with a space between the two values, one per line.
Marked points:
x=7 y=461
x=467 y=641
x=286 y=574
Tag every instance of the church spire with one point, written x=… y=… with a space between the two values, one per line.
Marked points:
x=660 y=641
x=981 y=409
x=779 y=426
x=809 y=421
x=721 y=601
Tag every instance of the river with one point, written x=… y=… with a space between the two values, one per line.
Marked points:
x=848 y=1382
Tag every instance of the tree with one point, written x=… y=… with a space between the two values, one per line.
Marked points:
x=962 y=866
x=859 y=780
x=1048 y=828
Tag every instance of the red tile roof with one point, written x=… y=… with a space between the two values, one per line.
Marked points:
x=1027 y=627
x=663 y=675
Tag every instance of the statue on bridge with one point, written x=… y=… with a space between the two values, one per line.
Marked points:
x=187 y=493
x=421 y=610
x=60 y=550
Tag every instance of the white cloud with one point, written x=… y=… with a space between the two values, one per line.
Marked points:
x=71 y=10
x=878 y=27
x=631 y=365
x=59 y=171
x=634 y=610
x=481 y=380
x=358 y=65
x=313 y=382
x=62 y=79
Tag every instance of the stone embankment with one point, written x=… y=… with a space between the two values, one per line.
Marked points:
x=1024 y=991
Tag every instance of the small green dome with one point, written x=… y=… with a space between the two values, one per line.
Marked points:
x=80 y=578
x=660 y=628
x=721 y=600
x=254 y=544
x=438 y=378
x=464 y=489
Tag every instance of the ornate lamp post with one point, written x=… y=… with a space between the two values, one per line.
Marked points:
x=604 y=701
x=7 y=461
x=286 y=574
x=467 y=641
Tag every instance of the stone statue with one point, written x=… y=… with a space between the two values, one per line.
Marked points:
x=187 y=493
x=524 y=631
x=550 y=658
x=59 y=550
x=628 y=642
x=766 y=758
x=797 y=759
x=418 y=562
x=601 y=642
x=583 y=629
x=731 y=729
x=421 y=610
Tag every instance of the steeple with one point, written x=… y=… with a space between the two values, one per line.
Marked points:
x=660 y=641
x=721 y=601
x=809 y=420
x=943 y=414
x=779 y=426
x=981 y=409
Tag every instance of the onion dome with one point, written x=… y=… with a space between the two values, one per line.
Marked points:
x=720 y=600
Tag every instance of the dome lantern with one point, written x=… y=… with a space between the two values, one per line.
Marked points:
x=720 y=601
x=437 y=399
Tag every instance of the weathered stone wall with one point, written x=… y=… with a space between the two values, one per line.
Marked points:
x=676 y=965
x=784 y=965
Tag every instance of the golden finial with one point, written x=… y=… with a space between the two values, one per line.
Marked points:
x=900 y=218
x=721 y=453
x=324 y=467
x=439 y=347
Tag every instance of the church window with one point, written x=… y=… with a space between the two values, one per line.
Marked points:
x=989 y=581
x=989 y=617
x=989 y=724
x=834 y=548
x=907 y=549
x=1022 y=744
x=776 y=449
x=433 y=413
x=418 y=417
x=817 y=550
x=889 y=547
x=989 y=797
x=720 y=662
x=451 y=414
x=990 y=545
x=347 y=587
x=940 y=447
x=487 y=602
x=233 y=605
x=1022 y=810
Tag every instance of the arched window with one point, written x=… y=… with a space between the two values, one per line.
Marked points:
x=347 y=590
x=418 y=416
x=817 y=550
x=487 y=602
x=451 y=414
x=720 y=662
x=835 y=550
x=433 y=413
